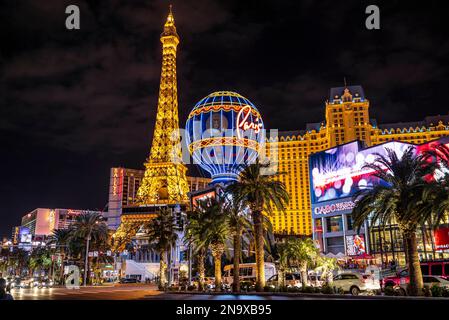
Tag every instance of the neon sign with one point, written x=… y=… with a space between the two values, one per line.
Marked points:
x=244 y=124
x=334 y=207
x=52 y=221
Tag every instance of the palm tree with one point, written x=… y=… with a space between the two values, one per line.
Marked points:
x=90 y=226
x=20 y=259
x=283 y=260
x=397 y=200
x=162 y=233
x=239 y=224
x=216 y=234
x=262 y=193
x=302 y=253
x=326 y=266
x=61 y=239
x=195 y=232
x=40 y=259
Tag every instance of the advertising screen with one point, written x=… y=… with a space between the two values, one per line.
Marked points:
x=25 y=235
x=442 y=238
x=355 y=245
x=339 y=172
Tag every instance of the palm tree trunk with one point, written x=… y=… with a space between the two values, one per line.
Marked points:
x=260 y=263
x=281 y=277
x=201 y=268
x=162 y=266
x=61 y=271
x=217 y=264
x=303 y=271
x=416 y=279
x=237 y=251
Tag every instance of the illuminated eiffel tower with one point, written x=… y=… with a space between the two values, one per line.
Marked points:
x=165 y=179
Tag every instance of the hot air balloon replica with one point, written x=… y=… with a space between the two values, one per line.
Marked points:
x=224 y=132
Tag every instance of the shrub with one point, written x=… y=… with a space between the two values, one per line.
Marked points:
x=327 y=289
x=283 y=289
x=445 y=292
x=389 y=291
x=436 y=290
x=427 y=292
x=339 y=290
x=269 y=289
x=191 y=288
x=308 y=289
x=293 y=289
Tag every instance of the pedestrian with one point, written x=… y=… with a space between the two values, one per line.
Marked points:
x=3 y=294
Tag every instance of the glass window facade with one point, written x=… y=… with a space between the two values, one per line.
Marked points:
x=334 y=224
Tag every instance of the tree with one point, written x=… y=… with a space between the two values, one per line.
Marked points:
x=283 y=260
x=195 y=236
x=217 y=234
x=61 y=239
x=90 y=226
x=40 y=259
x=262 y=193
x=239 y=224
x=302 y=253
x=161 y=232
x=397 y=199
x=326 y=266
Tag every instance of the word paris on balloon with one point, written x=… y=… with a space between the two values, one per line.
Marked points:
x=73 y=18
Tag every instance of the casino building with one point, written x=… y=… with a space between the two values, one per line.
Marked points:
x=346 y=119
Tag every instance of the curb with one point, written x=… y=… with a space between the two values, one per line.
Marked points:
x=308 y=295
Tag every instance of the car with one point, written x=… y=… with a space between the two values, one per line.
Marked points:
x=401 y=277
x=128 y=280
x=355 y=283
x=26 y=283
x=315 y=280
x=43 y=283
x=290 y=279
x=429 y=281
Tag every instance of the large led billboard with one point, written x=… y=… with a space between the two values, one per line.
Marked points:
x=339 y=172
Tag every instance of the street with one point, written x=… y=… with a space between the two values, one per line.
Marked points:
x=150 y=292
x=136 y=292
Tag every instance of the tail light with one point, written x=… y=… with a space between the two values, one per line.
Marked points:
x=364 y=279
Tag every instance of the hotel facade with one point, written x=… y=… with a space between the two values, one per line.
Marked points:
x=346 y=119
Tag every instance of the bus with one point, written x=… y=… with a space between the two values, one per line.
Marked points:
x=247 y=272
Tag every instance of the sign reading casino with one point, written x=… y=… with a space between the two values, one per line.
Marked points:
x=333 y=207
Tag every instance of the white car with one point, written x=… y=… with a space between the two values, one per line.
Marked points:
x=429 y=281
x=355 y=283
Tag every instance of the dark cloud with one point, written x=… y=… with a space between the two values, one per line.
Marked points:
x=75 y=103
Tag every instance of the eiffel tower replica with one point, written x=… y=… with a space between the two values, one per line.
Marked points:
x=165 y=179
x=164 y=182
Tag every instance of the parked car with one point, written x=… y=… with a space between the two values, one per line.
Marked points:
x=355 y=283
x=428 y=268
x=128 y=280
x=429 y=281
x=291 y=280
x=315 y=280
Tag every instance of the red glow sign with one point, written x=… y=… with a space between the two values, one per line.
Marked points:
x=441 y=236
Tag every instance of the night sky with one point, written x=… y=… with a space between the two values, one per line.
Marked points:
x=75 y=103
